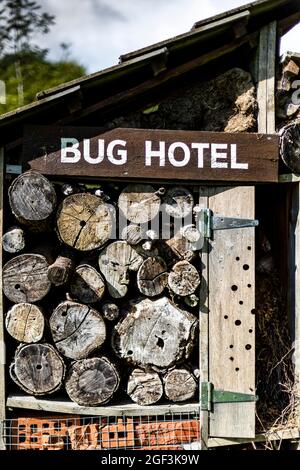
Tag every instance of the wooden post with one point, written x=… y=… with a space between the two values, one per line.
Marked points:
x=293 y=300
x=266 y=78
x=2 y=345
x=203 y=325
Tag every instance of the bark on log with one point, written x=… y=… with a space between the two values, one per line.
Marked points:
x=32 y=199
x=87 y=284
x=180 y=385
x=144 y=388
x=115 y=261
x=110 y=311
x=13 y=240
x=25 y=323
x=178 y=202
x=92 y=382
x=139 y=203
x=154 y=334
x=152 y=277
x=133 y=234
x=84 y=222
x=37 y=369
x=77 y=329
x=60 y=271
x=290 y=146
x=184 y=278
x=25 y=278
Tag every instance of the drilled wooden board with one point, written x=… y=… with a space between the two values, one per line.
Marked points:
x=231 y=281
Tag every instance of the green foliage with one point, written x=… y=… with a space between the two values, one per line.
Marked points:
x=37 y=73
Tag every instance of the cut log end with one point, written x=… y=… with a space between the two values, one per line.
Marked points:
x=92 y=382
x=144 y=388
x=87 y=284
x=178 y=202
x=152 y=277
x=37 y=369
x=25 y=323
x=180 y=385
x=110 y=311
x=139 y=203
x=13 y=241
x=184 y=278
x=60 y=271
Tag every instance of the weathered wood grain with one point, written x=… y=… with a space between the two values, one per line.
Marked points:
x=154 y=333
x=183 y=278
x=87 y=284
x=115 y=262
x=13 y=240
x=110 y=311
x=92 y=382
x=37 y=369
x=32 y=199
x=60 y=271
x=178 y=202
x=84 y=222
x=152 y=277
x=179 y=385
x=139 y=203
x=77 y=329
x=144 y=387
x=25 y=323
x=25 y=278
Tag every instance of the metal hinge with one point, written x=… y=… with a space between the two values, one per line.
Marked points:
x=210 y=396
x=207 y=223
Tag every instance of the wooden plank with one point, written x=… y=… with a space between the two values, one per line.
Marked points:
x=152 y=154
x=2 y=344
x=67 y=406
x=203 y=323
x=266 y=78
x=284 y=434
x=231 y=319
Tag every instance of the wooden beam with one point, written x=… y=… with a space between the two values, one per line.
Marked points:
x=266 y=78
x=203 y=325
x=2 y=344
x=69 y=407
x=124 y=97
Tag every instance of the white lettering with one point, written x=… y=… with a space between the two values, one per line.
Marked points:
x=186 y=154
x=87 y=151
x=234 y=164
x=215 y=156
x=69 y=145
x=200 y=148
x=149 y=153
x=121 y=153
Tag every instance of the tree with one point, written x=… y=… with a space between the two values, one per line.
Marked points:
x=19 y=21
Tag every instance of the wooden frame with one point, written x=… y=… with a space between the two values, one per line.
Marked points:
x=2 y=343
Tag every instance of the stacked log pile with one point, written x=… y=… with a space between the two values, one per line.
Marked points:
x=96 y=308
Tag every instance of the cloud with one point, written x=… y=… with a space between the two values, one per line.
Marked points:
x=101 y=30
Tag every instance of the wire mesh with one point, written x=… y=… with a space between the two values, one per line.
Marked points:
x=169 y=431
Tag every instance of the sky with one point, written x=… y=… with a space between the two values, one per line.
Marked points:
x=101 y=30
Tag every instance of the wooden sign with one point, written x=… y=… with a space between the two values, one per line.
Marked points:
x=152 y=154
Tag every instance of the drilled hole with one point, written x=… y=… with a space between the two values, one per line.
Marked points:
x=238 y=322
x=241 y=302
x=39 y=366
x=234 y=288
x=246 y=267
x=17 y=286
x=129 y=353
x=248 y=347
x=82 y=223
x=249 y=248
x=250 y=331
x=249 y=285
x=237 y=258
x=231 y=358
x=253 y=311
x=64 y=314
x=226 y=317
x=237 y=369
x=231 y=346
